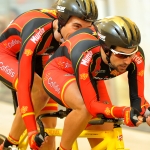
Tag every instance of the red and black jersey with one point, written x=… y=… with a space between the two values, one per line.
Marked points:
x=82 y=54
x=26 y=37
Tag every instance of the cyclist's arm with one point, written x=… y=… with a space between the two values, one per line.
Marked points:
x=25 y=80
x=102 y=92
x=81 y=57
x=136 y=81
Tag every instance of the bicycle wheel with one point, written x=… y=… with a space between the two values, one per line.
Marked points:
x=2 y=138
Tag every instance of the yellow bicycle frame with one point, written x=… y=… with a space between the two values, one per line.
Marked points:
x=112 y=140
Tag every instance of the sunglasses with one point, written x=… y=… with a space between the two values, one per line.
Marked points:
x=123 y=55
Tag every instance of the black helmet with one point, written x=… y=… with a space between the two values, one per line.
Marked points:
x=84 y=9
x=118 y=31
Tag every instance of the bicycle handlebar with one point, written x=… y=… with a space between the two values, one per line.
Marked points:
x=102 y=119
x=63 y=113
x=60 y=114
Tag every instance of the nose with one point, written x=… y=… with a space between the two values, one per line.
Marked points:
x=128 y=60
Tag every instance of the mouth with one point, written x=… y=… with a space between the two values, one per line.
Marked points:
x=123 y=67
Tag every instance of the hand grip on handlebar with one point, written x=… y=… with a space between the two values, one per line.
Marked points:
x=60 y=114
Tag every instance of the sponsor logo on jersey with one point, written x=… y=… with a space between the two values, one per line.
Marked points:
x=24 y=109
x=105 y=78
x=68 y=74
x=28 y=52
x=141 y=73
x=54 y=85
x=107 y=111
x=137 y=59
x=61 y=8
x=114 y=73
x=64 y=65
x=12 y=43
x=85 y=61
x=35 y=38
x=83 y=76
x=7 y=69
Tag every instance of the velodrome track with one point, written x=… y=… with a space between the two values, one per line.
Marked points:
x=135 y=140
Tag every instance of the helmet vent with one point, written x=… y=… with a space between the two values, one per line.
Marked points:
x=117 y=31
x=136 y=30
x=84 y=4
x=78 y=3
x=131 y=34
x=125 y=33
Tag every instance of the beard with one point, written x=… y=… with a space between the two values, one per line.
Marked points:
x=120 y=68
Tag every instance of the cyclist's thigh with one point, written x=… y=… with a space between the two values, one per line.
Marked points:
x=8 y=70
x=62 y=87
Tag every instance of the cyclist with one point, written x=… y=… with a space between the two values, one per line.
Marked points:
x=24 y=44
x=84 y=61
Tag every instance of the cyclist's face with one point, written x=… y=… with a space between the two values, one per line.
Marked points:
x=73 y=25
x=121 y=64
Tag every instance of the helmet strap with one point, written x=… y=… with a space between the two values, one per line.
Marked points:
x=108 y=55
x=59 y=29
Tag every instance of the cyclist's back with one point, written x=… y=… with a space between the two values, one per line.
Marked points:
x=20 y=30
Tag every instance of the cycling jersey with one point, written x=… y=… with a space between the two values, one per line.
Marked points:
x=26 y=39
x=79 y=60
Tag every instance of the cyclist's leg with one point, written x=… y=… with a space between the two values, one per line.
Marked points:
x=8 y=75
x=104 y=97
x=77 y=120
x=51 y=106
x=67 y=93
x=39 y=99
x=49 y=122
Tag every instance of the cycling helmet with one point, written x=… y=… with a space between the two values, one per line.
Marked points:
x=84 y=9
x=118 y=31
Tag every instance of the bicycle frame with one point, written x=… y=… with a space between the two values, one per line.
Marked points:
x=112 y=140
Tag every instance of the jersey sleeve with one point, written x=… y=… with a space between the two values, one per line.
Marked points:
x=26 y=75
x=102 y=92
x=136 y=82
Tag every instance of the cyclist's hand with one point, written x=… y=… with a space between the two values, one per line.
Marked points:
x=147 y=112
x=131 y=117
x=36 y=140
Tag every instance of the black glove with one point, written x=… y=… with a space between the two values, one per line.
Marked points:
x=39 y=139
x=131 y=116
x=36 y=140
x=147 y=112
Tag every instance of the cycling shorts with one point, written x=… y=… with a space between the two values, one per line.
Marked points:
x=55 y=82
x=8 y=68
